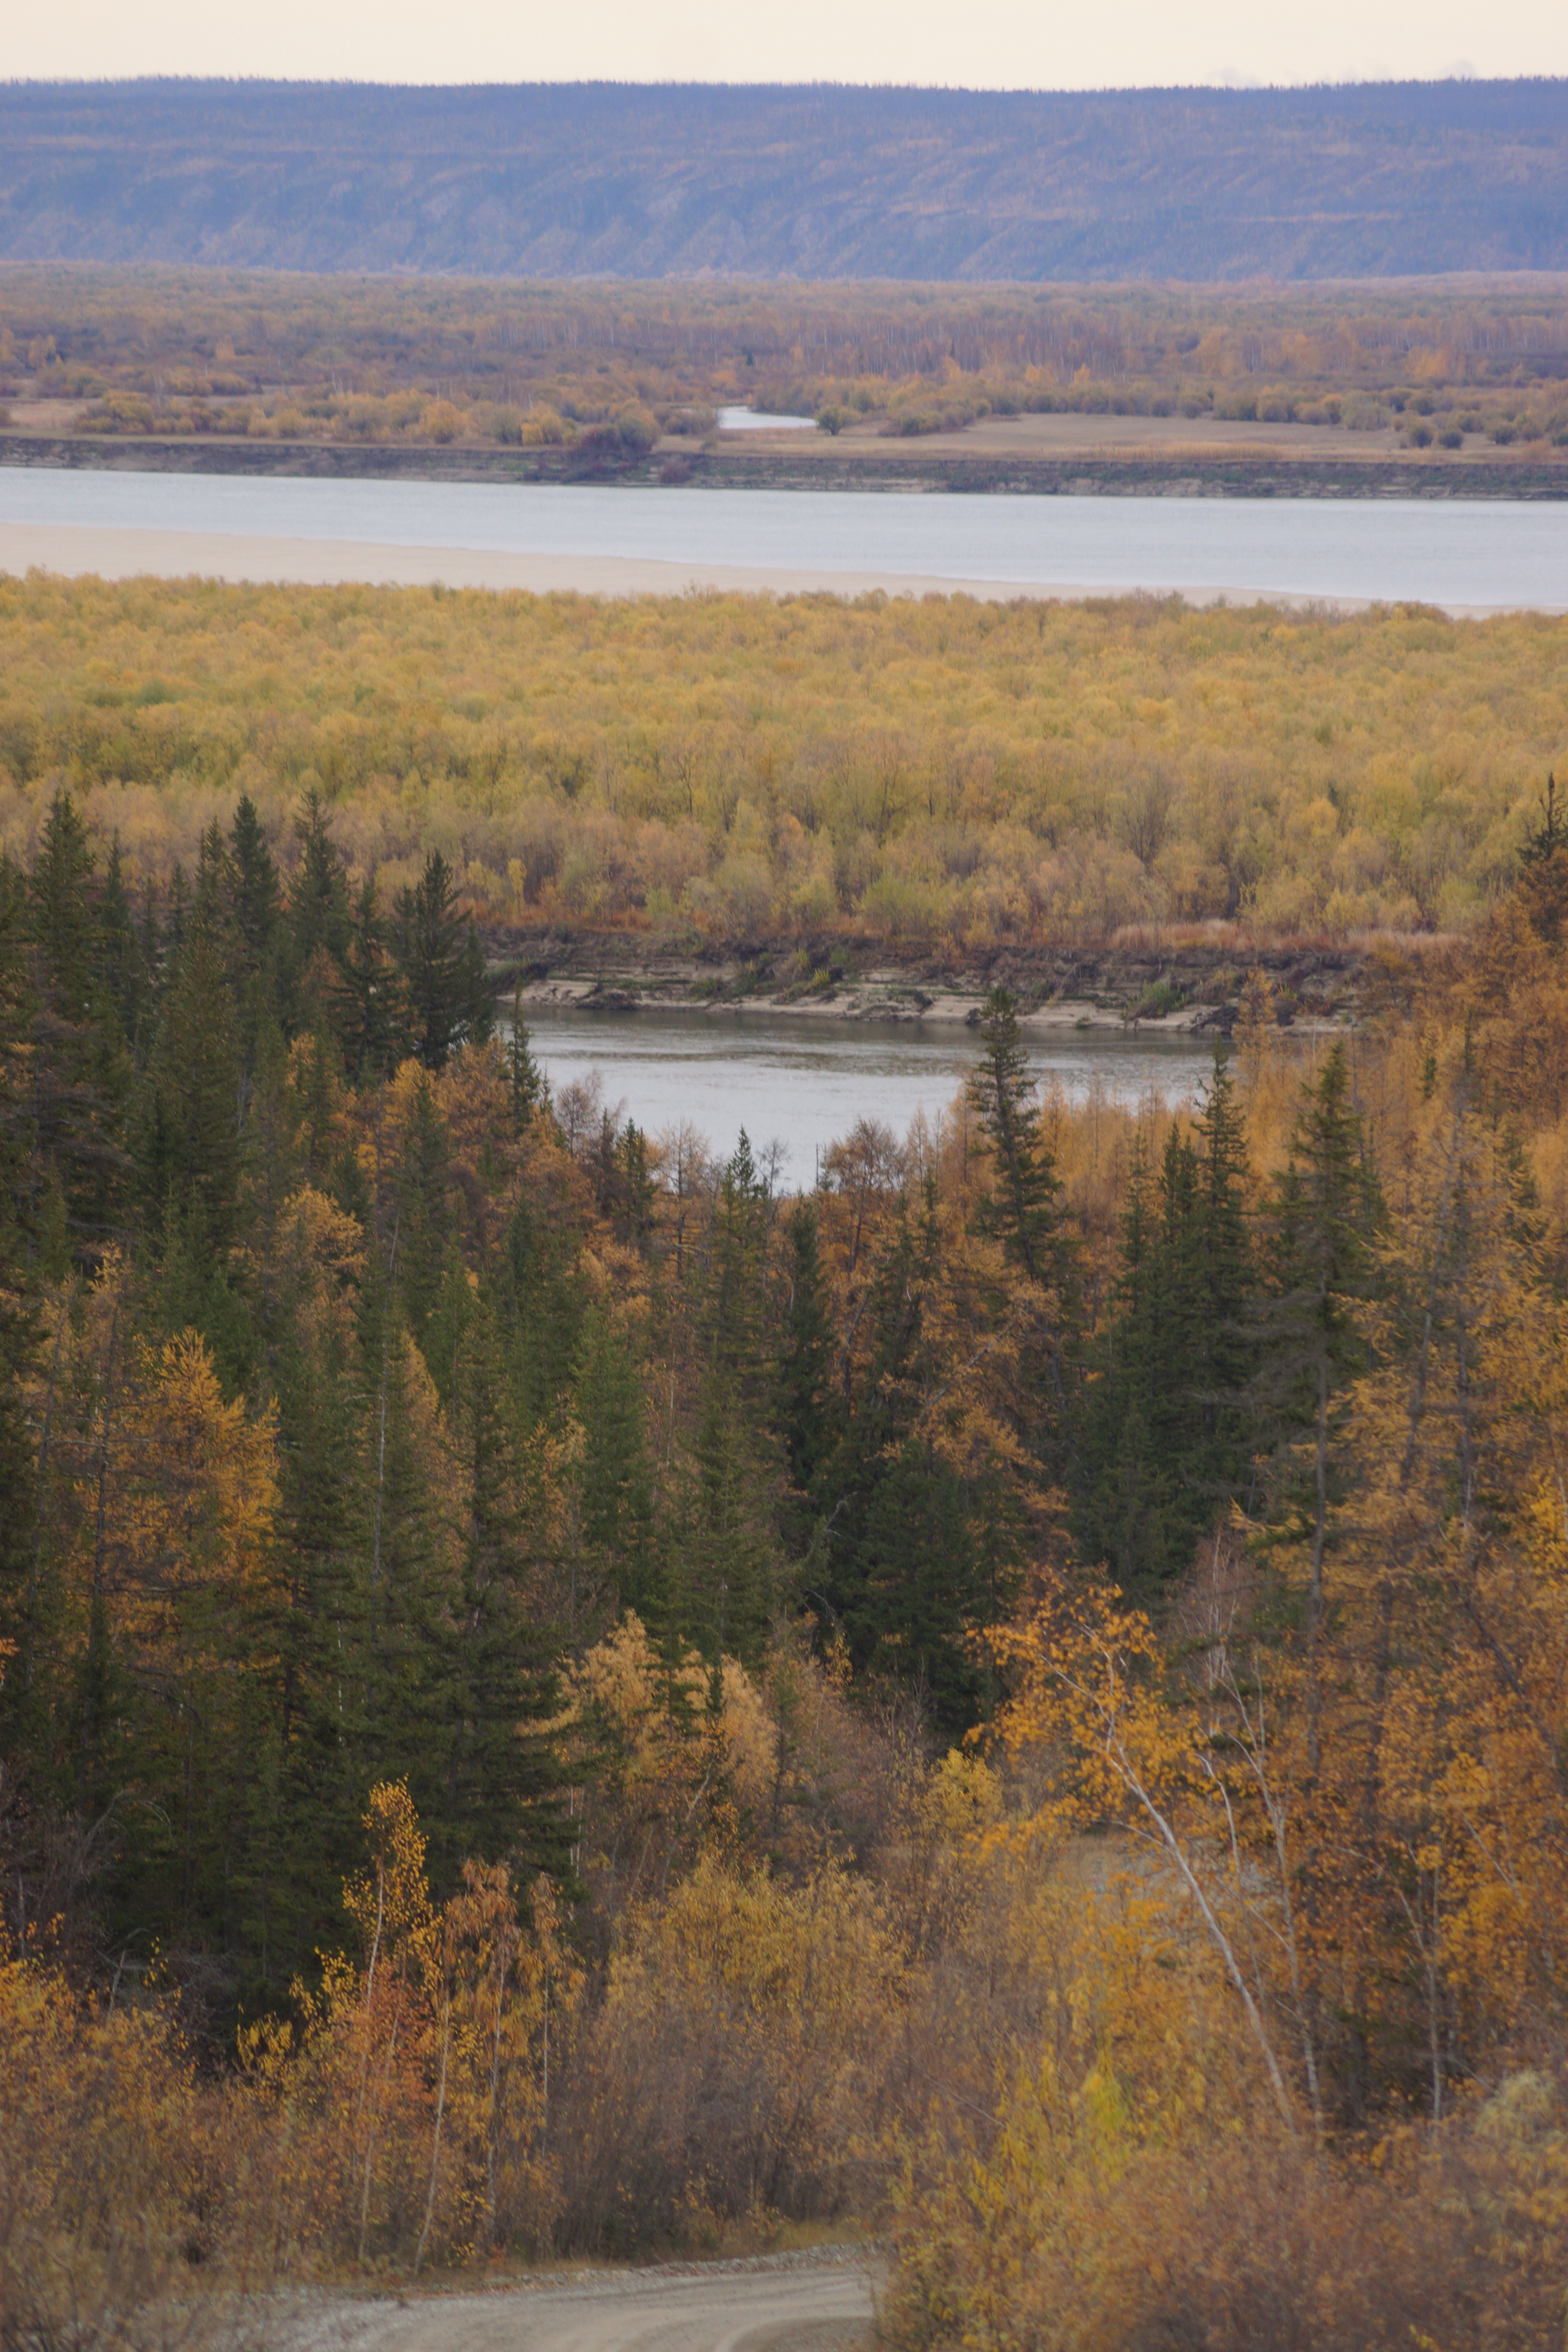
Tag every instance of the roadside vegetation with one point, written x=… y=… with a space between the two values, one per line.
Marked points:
x=605 y=370
x=933 y=774
x=557 y=1699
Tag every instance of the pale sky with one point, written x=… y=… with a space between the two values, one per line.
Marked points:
x=1002 y=45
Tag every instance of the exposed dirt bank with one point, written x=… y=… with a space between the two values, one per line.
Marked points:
x=820 y=2302
x=1190 y=473
x=1182 y=472
x=1160 y=989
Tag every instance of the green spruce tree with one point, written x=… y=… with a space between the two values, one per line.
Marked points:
x=80 y=1068
x=808 y=1420
x=442 y=966
x=614 y=1477
x=426 y=1227
x=191 y=1151
x=490 y=1784
x=527 y=1090
x=368 y=1011
x=1320 y=1266
x=125 y=965
x=18 y=1318
x=1023 y=1214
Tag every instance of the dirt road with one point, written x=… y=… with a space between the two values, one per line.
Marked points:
x=820 y=2302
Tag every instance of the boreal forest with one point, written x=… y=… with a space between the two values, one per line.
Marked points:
x=560 y=1699
x=597 y=373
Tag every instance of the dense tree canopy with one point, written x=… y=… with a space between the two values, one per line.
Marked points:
x=1082 y=1585
x=933 y=774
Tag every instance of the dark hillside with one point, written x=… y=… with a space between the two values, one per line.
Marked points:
x=1383 y=180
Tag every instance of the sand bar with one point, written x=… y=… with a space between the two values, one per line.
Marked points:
x=79 y=549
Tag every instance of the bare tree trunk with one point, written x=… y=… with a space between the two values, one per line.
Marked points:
x=493 y=2135
x=1130 y=1779
x=436 y=2133
x=98 y=1635
x=34 y=1562
x=381 y=1419
x=1315 y=1593
x=370 y=2154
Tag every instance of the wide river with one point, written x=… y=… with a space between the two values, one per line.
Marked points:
x=1454 y=552
x=802 y=1083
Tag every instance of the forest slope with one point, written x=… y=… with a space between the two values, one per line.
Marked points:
x=1380 y=180
x=491 y=1600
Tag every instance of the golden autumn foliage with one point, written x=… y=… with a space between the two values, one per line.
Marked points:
x=1171 y=1963
x=673 y=1754
x=1090 y=2226
x=401 y=2113
x=110 y=2156
x=737 y=2062
x=919 y=773
x=1301 y=1834
x=409 y=2100
x=276 y=355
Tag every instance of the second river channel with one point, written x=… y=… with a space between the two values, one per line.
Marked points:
x=802 y=1083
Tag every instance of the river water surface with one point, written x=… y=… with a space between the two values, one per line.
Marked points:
x=804 y=1082
x=1448 y=552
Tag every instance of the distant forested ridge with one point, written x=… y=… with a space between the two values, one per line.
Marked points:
x=1374 y=180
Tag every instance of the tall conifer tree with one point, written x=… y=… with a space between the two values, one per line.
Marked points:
x=808 y=1420
x=18 y=1294
x=80 y=1070
x=192 y=1146
x=493 y=1776
x=368 y=1006
x=442 y=965
x=1023 y=1213
x=615 y=1478
x=1327 y=1211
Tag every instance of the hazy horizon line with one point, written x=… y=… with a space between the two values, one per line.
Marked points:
x=1227 y=84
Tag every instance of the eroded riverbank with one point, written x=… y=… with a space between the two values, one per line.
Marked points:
x=1153 y=988
x=1187 y=472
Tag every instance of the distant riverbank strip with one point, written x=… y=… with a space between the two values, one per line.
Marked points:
x=1232 y=474
x=1173 y=987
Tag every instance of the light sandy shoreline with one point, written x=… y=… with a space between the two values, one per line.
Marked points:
x=885 y=997
x=79 y=549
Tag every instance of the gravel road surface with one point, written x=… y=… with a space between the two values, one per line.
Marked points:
x=821 y=2302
